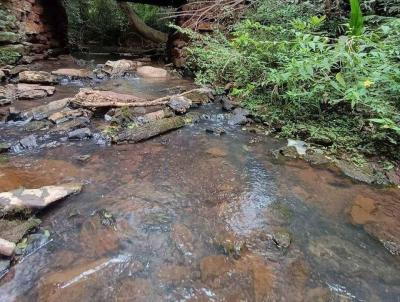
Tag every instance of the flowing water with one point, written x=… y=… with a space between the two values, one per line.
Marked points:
x=190 y=216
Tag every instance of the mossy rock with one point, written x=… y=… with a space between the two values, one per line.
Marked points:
x=9 y=56
x=7 y=20
x=9 y=37
x=15 y=230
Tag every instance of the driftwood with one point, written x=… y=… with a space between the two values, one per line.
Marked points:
x=149 y=130
x=90 y=98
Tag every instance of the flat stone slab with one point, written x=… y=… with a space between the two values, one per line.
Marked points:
x=27 y=200
x=72 y=73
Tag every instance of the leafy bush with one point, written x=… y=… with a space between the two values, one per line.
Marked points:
x=344 y=91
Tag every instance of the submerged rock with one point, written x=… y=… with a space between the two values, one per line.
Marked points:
x=33 y=91
x=36 y=77
x=282 y=239
x=151 y=72
x=27 y=200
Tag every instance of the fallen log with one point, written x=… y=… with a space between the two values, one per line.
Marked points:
x=149 y=130
x=90 y=98
x=142 y=28
x=25 y=201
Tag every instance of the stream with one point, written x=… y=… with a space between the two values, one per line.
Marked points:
x=192 y=216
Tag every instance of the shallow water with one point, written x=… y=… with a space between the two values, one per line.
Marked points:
x=195 y=217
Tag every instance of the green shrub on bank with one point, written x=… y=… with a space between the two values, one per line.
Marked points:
x=342 y=91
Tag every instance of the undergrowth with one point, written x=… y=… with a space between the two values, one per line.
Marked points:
x=302 y=79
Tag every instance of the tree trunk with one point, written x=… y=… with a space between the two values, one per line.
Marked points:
x=140 y=27
x=149 y=130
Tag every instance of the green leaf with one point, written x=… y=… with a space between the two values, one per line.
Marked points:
x=340 y=79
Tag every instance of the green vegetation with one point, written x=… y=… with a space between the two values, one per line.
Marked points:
x=101 y=22
x=288 y=64
x=8 y=56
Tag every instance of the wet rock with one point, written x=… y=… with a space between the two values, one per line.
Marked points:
x=120 y=67
x=79 y=134
x=239 y=117
x=72 y=73
x=227 y=104
x=27 y=200
x=300 y=146
x=77 y=123
x=44 y=111
x=216 y=131
x=17 y=69
x=36 y=77
x=29 y=142
x=151 y=72
x=180 y=104
x=37 y=125
x=4 y=147
x=7 y=248
x=4 y=266
x=32 y=242
x=316 y=157
x=2 y=75
x=7 y=94
x=33 y=91
x=67 y=114
x=199 y=96
x=289 y=152
x=282 y=239
x=183 y=239
x=5 y=102
x=15 y=230
x=364 y=173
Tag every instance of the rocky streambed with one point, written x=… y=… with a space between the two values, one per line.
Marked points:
x=125 y=182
